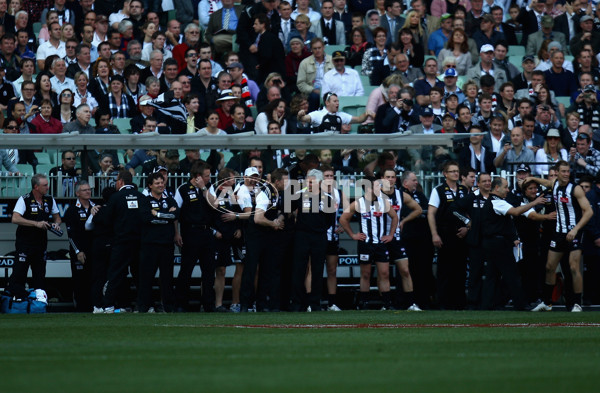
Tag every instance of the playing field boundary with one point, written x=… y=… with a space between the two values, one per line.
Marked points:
x=389 y=325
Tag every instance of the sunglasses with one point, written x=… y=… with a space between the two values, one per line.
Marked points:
x=11 y=127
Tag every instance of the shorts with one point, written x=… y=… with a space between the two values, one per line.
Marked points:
x=559 y=243
x=228 y=252
x=369 y=253
x=333 y=247
x=397 y=250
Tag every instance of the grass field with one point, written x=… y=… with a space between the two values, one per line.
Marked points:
x=437 y=351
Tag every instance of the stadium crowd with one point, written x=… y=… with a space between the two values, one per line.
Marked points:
x=266 y=67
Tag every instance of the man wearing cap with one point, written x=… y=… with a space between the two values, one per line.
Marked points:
x=487 y=35
x=332 y=31
x=588 y=35
x=423 y=156
x=535 y=40
x=583 y=157
x=217 y=33
x=224 y=104
x=523 y=80
x=513 y=152
x=329 y=119
x=486 y=67
x=450 y=87
x=341 y=80
x=437 y=39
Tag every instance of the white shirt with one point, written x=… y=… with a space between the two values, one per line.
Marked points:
x=59 y=86
x=98 y=40
x=20 y=206
x=116 y=17
x=346 y=84
x=312 y=15
x=47 y=49
x=204 y=9
x=17 y=84
x=261 y=125
x=546 y=65
x=316 y=117
x=148 y=49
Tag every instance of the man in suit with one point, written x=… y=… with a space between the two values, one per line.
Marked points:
x=409 y=74
x=568 y=22
x=83 y=61
x=391 y=21
x=287 y=24
x=330 y=29
x=423 y=157
x=535 y=40
x=269 y=49
x=532 y=19
x=505 y=28
x=341 y=13
x=217 y=33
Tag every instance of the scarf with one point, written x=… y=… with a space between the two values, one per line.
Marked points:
x=481 y=160
x=358 y=48
x=247 y=99
x=118 y=112
x=103 y=87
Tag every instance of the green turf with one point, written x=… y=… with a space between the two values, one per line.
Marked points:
x=190 y=352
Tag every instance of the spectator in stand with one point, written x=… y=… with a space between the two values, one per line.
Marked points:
x=423 y=86
x=341 y=80
x=560 y=80
x=476 y=156
x=239 y=120
x=100 y=79
x=486 y=67
x=43 y=89
x=81 y=123
x=273 y=111
x=82 y=94
x=297 y=53
x=44 y=123
x=514 y=152
x=60 y=81
x=587 y=34
x=225 y=102
x=118 y=103
x=584 y=158
x=358 y=47
x=65 y=111
x=192 y=40
x=458 y=48
x=441 y=7
x=27 y=75
x=158 y=44
x=438 y=39
x=550 y=154
x=54 y=46
x=302 y=24
x=535 y=40
x=408 y=46
x=219 y=35
x=309 y=80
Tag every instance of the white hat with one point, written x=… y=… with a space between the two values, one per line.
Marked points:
x=250 y=171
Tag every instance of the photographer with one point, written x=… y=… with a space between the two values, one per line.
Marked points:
x=588 y=108
x=397 y=114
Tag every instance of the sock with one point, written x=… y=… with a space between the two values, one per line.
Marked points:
x=363 y=297
x=577 y=298
x=410 y=298
x=387 y=299
x=548 y=289
x=331 y=299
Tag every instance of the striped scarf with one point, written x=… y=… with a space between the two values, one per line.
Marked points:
x=103 y=87
x=118 y=112
x=246 y=97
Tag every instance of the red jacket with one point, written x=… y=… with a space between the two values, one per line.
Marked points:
x=53 y=126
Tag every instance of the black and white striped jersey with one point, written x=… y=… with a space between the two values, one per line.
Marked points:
x=332 y=236
x=372 y=222
x=568 y=211
x=395 y=200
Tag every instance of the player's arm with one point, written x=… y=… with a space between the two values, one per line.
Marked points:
x=586 y=212
x=543 y=182
x=345 y=223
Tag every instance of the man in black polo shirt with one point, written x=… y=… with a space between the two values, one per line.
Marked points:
x=196 y=238
x=34 y=213
x=499 y=237
x=158 y=214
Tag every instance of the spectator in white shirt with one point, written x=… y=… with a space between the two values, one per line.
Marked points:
x=54 y=46
x=60 y=81
x=341 y=80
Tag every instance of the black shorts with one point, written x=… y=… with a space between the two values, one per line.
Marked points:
x=559 y=242
x=228 y=252
x=333 y=247
x=369 y=253
x=397 y=250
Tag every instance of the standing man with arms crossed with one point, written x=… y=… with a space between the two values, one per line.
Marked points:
x=34 y=213
x=573 y=211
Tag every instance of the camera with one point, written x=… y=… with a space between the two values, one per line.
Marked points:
x=545 y=108
x=277 y=82
x=407 y=102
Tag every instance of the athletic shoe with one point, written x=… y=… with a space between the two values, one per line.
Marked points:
x=235 y=307
x=414 y=307
x=253 y=309
x=98 y=310
x=333 y=307
x=222 y=308
x=308 y=309
x=542 y=307
x=151 y=310
x=576 y=308
x=109 y=310
x=363 y=306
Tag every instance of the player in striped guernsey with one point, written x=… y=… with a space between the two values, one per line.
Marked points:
x=396 y=249
x=372 y=239
x=573 y=211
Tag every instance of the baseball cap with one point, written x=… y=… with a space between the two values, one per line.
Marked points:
x=486 y=48
x=226 y=95
x=427 y=111
x=251 y=171
x=118 y=78
x=101 y=18
x=338 y=54
x=448 y=114
x=235 y=64
x=528 y=58
x=159 y=168
x=555 y=44
x=445 y=16
x=172 y=153
x=523 y=168
x=553 y=133
x=585 y=18
x=547 y=21
x=450 y=72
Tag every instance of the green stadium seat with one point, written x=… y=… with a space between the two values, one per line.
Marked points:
x=329 y=49
x=25 y=169
x=353 y=105
x=517 y=61
x=234 y=46
x=14 y=186
x=123 y=125
x=44 y=168
x=172 y=14
x=516 y=50
x=43 y=157
x=227 y=156
x=364 y=80
x=37 y=26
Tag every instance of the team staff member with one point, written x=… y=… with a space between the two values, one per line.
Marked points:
x=156 y=251
x=315 y=213
x=270 y=218
x=124 y=214
x=396 y=247
x=228 y=231
x=195 y=219
x=499 y=237
x=448 y=234
x=34 y=213
x=372 y=240
x=81 y=242
x=472 y=207
x=417 y=240
x=573 y=211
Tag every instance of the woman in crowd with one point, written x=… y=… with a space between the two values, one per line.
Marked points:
x=43 y=88
x=295 y=126
x=212 y=122
x=457 y=47
x=298 y=52
x=409 y=47
x=273 y=79
x=126 y=30
x=65 y=112
x=413 y=23
x=133 y=87
x=274 y=111
x=357 y=49
x=302 y=24
x=550 y=154
x=376 y=54
x=152 y=86
x=67 y=31
x=158 y=43
x=119 y=104
x=101 y=73
x=441 y=7
x=82 y=95
x=44 y=123
x=148 y=29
